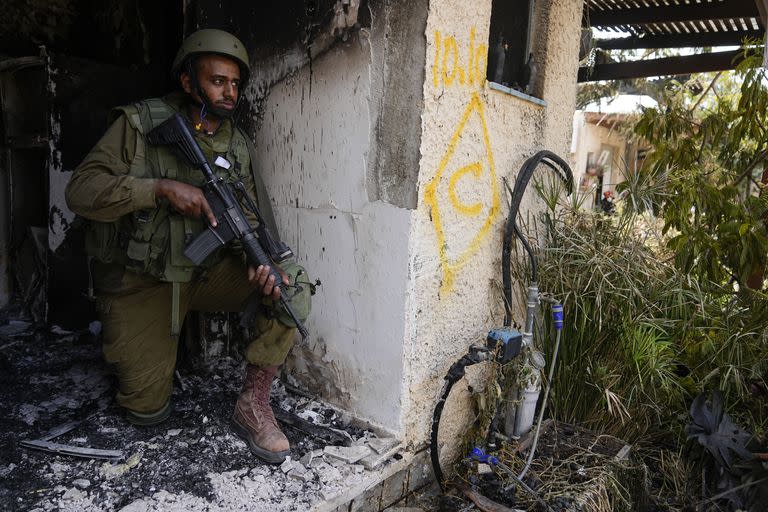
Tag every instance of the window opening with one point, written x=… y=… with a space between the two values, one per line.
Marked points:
x=510 y=61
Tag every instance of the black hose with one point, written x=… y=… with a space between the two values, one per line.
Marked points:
x=563 y=171
x=455 y=374
x=479 y=354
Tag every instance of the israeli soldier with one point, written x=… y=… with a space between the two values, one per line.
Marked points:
x=143 y=205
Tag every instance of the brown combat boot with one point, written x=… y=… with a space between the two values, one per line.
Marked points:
x=254 y=420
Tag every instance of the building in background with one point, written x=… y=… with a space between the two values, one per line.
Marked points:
x=603 y=146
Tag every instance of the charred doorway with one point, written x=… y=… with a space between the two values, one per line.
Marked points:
x=63 y=66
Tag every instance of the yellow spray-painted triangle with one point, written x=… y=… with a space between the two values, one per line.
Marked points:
x=451 y=267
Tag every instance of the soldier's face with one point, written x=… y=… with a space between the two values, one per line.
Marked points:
x=219 y=78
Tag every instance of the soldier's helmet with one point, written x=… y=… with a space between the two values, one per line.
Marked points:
x=215 y=41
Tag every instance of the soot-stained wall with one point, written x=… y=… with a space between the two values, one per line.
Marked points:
x=338 y=146
x=92 y=56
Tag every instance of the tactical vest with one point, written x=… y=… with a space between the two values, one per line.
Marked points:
x=152 y=241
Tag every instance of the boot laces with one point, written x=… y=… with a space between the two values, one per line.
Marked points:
x=261 y=391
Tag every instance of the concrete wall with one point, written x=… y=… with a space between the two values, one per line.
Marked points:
x=384 y=160
x=316 y=145
x=472 y=137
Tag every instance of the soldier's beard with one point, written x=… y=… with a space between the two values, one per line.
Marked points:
x=220 y=112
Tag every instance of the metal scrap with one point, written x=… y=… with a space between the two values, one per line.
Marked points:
x=45 y=444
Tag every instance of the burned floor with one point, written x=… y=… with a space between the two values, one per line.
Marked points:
x=52 y=378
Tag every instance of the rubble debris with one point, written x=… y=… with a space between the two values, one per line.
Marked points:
x=72 y=494
x=81 y=483
x=112 y=471
x=484 y=469
x=183 y=464
x=347 y=454
x=287 y=465
x=177 y=377
x=382 y=445
x=375 y=460
x=7 y=469
x=319 y=432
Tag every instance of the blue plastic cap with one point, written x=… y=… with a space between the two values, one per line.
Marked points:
x=557 y=316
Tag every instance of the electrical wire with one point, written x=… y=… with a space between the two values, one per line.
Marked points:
x=563 y=171
x=478 y=354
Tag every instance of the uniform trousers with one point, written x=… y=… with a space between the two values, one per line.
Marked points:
x=136 y=314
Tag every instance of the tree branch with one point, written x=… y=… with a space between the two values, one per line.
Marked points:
x=703 y=95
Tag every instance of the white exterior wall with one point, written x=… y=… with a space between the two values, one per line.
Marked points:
x=456 y=236
x=314 y=143
x=407 y=291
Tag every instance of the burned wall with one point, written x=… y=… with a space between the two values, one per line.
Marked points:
x=336 y=142
x=90 y=56
x=282 y=37
x=116 y=32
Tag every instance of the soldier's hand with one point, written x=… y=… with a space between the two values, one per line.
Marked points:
x=186 y=199
x=259 y=277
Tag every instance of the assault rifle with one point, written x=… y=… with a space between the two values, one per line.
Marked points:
x=230 y=217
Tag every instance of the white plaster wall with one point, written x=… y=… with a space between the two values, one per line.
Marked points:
x=406 y=292
x=313 y=145
x=456 y=235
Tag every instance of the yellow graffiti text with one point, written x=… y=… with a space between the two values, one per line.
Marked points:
x=453 y=66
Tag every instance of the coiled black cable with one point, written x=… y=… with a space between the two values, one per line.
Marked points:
x=563 y=171
x=479 y=354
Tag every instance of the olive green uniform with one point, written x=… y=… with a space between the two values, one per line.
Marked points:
x=143 y=287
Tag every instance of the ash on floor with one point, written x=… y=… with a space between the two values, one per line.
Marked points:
x=190 y=462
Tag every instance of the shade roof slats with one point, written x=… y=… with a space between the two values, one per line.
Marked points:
x=652 y=24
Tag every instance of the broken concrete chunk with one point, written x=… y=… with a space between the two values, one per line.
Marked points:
x=81 y=483
x=329 y=494
x=287 y=465
x=6 y=470
x=302 y=475
x=327 y=473
x=382 y=445
x=348 y=454
x=377 y=459
x=306 y=459
x=484 y=469
x=311 y=416
x=73 y=495
x=298 y=467
x=173 y=432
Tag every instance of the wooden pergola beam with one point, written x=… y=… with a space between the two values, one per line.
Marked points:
x=682 y=65
x=762 y=8
x=673 y=13
x=679 y=40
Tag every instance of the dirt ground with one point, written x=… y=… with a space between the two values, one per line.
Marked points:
x=191 y=462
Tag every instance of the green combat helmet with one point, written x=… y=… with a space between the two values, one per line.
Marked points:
x=211 y=41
